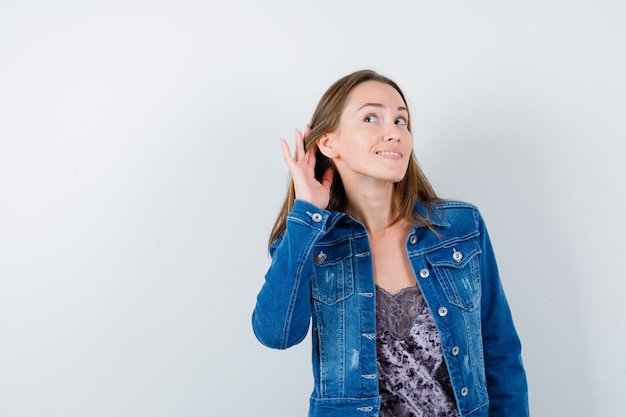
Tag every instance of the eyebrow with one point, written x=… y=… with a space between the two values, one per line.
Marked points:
x=379 y=105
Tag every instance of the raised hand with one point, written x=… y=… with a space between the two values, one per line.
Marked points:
x=302 y=168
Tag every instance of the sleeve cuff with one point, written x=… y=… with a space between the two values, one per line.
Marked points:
x=306 y=213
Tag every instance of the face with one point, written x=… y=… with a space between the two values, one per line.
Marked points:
x=372 y=140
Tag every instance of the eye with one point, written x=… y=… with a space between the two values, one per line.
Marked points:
x=401 y=121
x=370 y=118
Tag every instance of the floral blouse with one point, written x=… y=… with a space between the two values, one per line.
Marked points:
x=413 y=377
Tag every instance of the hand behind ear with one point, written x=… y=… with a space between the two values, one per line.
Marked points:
x=302 y=169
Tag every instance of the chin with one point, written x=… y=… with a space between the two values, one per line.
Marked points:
x=398 y=177
x=393 y=179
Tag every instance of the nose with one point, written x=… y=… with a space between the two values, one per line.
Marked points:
x=392 y=134
x=392 y=131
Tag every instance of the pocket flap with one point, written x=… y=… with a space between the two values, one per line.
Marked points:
x=454 y=256
x=329 y=255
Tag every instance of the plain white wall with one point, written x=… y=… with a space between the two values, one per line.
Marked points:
x=140 y=173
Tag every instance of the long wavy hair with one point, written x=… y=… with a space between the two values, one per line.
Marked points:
x=414 y=187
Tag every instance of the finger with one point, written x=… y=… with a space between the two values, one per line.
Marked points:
x=327 y=178
x=307 y=130
x=300 y=153
x=286 y=153
x=311 y=155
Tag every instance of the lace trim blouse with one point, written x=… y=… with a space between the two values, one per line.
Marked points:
x=413 y=377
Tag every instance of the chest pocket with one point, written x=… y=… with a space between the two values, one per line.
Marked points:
x=333 y=278
x=457 y=268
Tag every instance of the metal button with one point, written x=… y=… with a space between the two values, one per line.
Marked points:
x=413 y=239
x=424 y=273
x=455 y=351
x=316 y=217
x=442 y=311
x=464 y=392
x=321 y=257
x=458 y=256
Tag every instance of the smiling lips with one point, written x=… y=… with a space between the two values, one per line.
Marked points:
x=390 y=154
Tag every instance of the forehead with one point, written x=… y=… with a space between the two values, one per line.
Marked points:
x=374 y=92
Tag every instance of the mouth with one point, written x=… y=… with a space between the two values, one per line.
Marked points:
x=391 y=154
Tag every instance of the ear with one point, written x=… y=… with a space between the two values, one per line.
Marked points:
x=326 y=146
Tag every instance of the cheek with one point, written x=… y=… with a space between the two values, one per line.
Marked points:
x=352 y=141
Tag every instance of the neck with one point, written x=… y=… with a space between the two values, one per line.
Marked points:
x=372 y=206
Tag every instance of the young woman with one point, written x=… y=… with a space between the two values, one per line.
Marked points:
x=408 y=313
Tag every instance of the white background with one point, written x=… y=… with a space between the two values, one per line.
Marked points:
x=140 y=173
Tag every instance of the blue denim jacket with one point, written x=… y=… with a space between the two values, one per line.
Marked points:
x=322 y=270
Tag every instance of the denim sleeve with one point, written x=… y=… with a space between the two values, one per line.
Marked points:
x=282 y=313
x=506 y=378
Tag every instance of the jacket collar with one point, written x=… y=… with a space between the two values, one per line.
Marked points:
x=434 y=215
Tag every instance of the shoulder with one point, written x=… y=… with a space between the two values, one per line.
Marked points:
x=450 y=221
x=455 y=210
x=455 y=204
x=447 y=213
